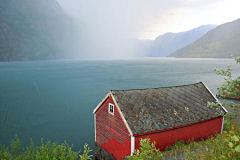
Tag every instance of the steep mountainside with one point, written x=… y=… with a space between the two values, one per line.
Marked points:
x=164 y=45
x=221 y=42
x=34 y=29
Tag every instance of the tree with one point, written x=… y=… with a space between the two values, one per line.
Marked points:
x=231 y=87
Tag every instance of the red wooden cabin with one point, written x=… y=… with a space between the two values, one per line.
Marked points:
x=165 y=115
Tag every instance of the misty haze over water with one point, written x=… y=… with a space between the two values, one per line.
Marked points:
x=59 y=29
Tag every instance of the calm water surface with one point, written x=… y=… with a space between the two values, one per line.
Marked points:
x=55 y=99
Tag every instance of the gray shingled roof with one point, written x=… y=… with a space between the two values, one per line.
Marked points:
x=147 y=110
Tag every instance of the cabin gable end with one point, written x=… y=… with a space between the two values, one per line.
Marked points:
x=111 y=132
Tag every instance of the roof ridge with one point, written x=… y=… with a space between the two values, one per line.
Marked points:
x=159 y=87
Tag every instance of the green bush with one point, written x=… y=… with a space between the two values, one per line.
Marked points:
x=46 y=151
x=230 y=88
x=178 y=144
x=147 y=151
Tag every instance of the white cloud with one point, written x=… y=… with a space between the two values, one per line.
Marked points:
x=227 y=10
x=182 y=19
x=173 y=20
x=194 y=0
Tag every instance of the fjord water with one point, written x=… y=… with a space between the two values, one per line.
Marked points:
x=55 y=99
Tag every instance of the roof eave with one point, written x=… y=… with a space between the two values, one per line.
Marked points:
x=225 y=110
x=173 y=128
x=109 y=94
x=103 y=100
x=121 y=114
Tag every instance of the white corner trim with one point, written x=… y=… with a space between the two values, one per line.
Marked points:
x=123 y=118
x=132 y=144
x=222 y=125
x=215 y=97
x=99 y=104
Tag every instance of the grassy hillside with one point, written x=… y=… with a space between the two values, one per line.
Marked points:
x=221 y=42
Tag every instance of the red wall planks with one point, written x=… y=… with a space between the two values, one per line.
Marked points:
x=111 y=132
x=193 y=132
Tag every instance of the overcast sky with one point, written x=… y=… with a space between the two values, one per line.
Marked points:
x=147 y=19
x=110 y=28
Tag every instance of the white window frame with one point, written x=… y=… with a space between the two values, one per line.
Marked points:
x=109 y=106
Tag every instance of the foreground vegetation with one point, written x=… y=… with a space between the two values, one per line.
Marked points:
x=46 y=151
x=223 y=146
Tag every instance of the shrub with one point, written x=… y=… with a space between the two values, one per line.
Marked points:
x=231 y=87
x=46 y=151
x=147 y=151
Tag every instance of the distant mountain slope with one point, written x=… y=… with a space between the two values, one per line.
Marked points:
x=164 y=45
x=221 y=42
x=34 y=29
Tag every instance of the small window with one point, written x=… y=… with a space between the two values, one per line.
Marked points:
x=111 y=108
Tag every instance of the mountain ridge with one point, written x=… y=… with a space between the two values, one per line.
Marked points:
x=169 y=42
x=221 y=42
